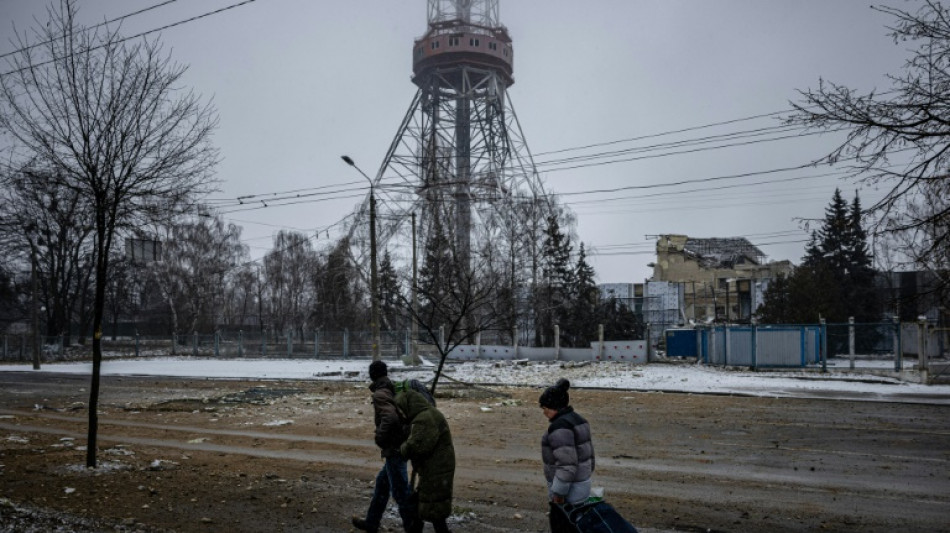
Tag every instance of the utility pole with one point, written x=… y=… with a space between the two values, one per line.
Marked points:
x=415 y=297
x=31 y=231
x=35 y=311
x=374 y=271
x=374 y=274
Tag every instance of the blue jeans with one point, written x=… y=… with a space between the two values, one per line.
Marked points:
x=392 y=478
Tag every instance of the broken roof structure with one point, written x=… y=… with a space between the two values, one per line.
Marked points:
x=725 y=252
x=723 y=278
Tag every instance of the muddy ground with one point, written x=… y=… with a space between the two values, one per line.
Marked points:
x=201 y=455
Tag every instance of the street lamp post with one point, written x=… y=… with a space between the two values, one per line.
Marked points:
x=34 y=304
x=374 y=272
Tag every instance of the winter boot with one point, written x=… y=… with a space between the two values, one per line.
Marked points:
x=362 y=525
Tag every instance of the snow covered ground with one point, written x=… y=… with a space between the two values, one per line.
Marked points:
x=656 y=377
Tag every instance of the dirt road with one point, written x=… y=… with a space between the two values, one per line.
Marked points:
x=201 y=455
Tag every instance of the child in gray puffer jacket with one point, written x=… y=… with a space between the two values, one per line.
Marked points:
x=566 y=448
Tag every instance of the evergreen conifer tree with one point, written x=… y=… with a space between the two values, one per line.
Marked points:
x=390 y=310
x=860 y=284
x=582 y=323
x=775 y=308
x=438 y=277
x=557 y=282
x=620 y=322
x=836 y=278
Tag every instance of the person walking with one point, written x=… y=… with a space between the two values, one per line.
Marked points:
x=429 y=447
x=567 y=451
x=390 y=434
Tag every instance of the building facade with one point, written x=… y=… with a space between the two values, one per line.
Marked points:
x=721 y=279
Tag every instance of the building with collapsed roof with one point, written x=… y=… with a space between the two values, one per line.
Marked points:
x=721 y=279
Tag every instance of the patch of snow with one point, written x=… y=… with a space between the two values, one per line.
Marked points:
x=102 y=467
x=119 y=451
x=672 y=377
x=274 y=423
x=162 y=464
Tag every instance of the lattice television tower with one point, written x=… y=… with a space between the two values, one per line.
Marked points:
x=459 y=154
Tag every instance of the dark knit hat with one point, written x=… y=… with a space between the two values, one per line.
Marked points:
x=556 y=397
x=377 y=369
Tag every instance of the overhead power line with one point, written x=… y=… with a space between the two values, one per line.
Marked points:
x=684 y=143
x=600 y=201
x=661 y=134
x=593 y=251
x=697 y=205
x=274 y=198
x=265 y=205
x=85 y=29
x=136 y=36
x=682 y=152
x=651 y=243
x=272 y=195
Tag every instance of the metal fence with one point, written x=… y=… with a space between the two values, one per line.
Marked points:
x=19 y=348
x=761 y=346
x=753 y=346
x=333 y=344
x=785 y=346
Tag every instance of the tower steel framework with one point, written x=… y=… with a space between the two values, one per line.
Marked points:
x=459 y=158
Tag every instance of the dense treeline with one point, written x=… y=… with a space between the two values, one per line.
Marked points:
x=836 y=279
x=202 y=280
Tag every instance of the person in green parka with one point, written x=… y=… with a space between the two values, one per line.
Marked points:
x=429 y=447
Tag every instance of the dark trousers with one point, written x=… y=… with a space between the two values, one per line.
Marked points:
x=392 y=479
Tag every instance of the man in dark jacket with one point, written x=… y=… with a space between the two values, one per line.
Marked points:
x=429 y=447
x=390 y=434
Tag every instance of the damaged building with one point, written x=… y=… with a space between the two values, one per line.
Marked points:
x=720 y=279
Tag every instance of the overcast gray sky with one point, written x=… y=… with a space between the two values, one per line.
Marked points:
x=297 y=83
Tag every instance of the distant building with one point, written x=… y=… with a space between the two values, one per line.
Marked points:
x=620 y=291
x=657 y=302
x=720 y=279
x=911 y=295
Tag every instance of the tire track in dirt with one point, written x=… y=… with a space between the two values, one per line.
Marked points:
x=477 y=463
x=338 y=441
x=313 y=456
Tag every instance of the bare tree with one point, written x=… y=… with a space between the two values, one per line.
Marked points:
x=900 y=139
x=460 y=304
x=108 y=115
x=287 y=283
x=196 y=259
x=119 y=290
x=240 y=298
x=49 y=226
x=461 y=295
x=337 y=288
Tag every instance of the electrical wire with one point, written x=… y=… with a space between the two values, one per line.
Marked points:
x=665 y=133
x=136 y=36
x=290 y=193
x=685 y=143
x=89 y=28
